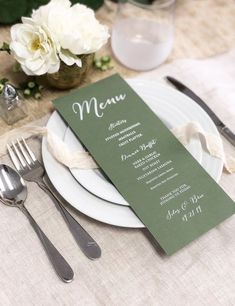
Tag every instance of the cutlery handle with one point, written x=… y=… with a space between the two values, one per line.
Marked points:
x=86 y=243
x=62 y=268
x=228 y=134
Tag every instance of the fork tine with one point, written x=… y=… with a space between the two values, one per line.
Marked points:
x=29 y=150
x=19 y=155
x=24 y=153
x=13 y=158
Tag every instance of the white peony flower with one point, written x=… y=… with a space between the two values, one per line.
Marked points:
x=33 y=48
x=57 y=31
x=74 y=28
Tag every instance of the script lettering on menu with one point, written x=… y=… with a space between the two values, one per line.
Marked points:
x=94 y=106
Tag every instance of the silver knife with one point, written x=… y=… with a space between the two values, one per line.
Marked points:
x=222 y=128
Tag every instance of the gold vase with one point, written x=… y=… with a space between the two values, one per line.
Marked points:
x=70 y=76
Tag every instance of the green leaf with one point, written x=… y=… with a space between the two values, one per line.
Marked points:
x=4 y=81
x=5 y=47
x=94 y=4
x=12 y=10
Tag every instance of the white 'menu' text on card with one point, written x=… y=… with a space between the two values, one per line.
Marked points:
x=93 y=105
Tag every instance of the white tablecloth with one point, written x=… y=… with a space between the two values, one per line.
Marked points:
x=132 y=271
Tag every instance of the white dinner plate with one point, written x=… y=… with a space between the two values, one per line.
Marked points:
x=97 y=208
x=161 y=104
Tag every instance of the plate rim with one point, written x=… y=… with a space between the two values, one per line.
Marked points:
x=137 y=223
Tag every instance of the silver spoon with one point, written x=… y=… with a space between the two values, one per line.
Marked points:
x=13 y=192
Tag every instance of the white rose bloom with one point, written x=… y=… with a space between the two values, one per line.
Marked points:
x=84 y=34
x=74 y=28
x=33 y=48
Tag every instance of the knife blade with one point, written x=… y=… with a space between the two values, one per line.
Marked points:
x=222 y=128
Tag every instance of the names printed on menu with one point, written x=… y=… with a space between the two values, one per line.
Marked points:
x=188 y=209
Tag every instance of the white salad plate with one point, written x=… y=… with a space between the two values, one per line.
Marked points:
x=173 y=108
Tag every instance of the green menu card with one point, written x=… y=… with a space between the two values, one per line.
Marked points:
x=165 y=186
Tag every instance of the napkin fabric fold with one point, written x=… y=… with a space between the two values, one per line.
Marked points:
x=83 y=160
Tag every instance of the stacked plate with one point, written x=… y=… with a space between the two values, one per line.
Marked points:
x=89 y=191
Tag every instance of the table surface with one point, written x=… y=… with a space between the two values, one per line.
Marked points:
x=132 y=270
x=203 y=28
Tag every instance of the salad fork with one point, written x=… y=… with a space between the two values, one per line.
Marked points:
x=32 y=170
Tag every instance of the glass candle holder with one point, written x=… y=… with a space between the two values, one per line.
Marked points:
x=143 y=34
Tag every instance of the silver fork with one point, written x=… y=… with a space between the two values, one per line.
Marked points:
x=32 y=170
